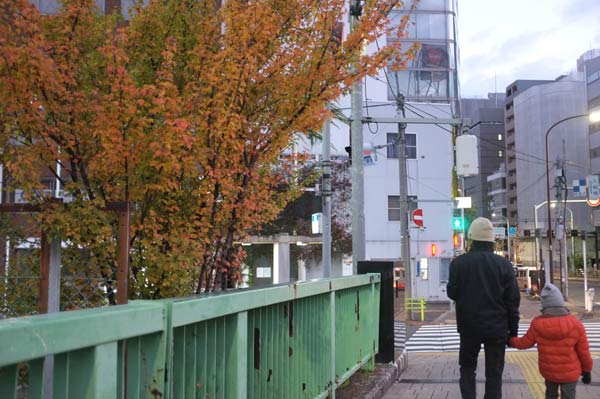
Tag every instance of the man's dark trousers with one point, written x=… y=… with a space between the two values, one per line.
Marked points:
x=494 y=365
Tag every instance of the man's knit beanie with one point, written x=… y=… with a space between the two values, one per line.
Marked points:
x=551 y=297
x=481 y=230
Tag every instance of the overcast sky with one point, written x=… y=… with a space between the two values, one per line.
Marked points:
x=506 y=40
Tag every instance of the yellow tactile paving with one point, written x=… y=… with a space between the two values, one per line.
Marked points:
x=528 y=362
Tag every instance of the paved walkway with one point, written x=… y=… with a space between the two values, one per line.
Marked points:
x=435 y=376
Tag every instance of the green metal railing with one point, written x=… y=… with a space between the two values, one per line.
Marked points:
x=288 y=341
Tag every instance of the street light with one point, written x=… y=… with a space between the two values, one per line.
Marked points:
x=592 y=117
x=507 y=233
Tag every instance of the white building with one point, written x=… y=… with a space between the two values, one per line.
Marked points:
x=430 y=86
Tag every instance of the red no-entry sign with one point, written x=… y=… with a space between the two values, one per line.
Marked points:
x=417 y=217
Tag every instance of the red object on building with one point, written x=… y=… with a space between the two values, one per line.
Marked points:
x=417 y=217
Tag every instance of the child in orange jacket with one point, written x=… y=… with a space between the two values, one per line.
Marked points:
x=564 y=352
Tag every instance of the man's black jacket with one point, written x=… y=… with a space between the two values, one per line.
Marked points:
x=485 y=289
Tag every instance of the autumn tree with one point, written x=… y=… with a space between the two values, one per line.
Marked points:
x=187 y=111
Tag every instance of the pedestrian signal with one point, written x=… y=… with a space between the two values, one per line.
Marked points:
x=457 y=223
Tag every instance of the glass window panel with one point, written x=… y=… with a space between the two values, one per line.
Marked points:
x=451 y=56
x=444 y=270
x=433 y=56
x=403 y=82
x=450 y=25
x=396 y=19
x=411 y=146
x=432 y=83
x=394 y=201
x=393 y=215
x=431 y=26
x=438 y=5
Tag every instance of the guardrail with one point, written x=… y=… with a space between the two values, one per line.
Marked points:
x=418 y=304
x=288 y=341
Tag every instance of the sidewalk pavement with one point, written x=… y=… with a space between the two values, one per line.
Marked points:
x=435 y=375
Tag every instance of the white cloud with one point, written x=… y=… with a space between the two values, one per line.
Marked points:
x=502 y=41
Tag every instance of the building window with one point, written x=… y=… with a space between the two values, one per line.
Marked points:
x=411 y=145
x=500 y=153
x=394 y=206
x=444 y=269
x=423 y=267
x=499 y=136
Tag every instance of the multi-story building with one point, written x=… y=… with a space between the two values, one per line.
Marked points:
x=589 y=64
x=487 y=119
x=429 y=84
x=535 y=111
x=512 y=91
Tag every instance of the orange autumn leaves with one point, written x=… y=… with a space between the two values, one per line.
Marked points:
x=185 y=110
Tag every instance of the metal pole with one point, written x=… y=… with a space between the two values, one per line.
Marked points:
x=508 y=240
x=326 y=199
x=535 y=227
x=584 y=249
x=549 y=224
x=403 y=193
x=572 y=246
x=548 y=190
x=358 y=194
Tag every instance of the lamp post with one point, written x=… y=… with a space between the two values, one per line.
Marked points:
x=507 y=233
x=593 y=117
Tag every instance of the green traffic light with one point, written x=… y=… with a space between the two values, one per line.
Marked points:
x=457 y=223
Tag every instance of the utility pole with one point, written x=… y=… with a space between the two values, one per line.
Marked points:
x=358 y=189
x=403 y=184
x=326 y=198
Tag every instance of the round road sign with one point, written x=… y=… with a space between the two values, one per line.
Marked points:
x=417 y=217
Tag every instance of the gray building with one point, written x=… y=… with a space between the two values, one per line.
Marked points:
x=535 y=111
x=589 y=64
x=487 y=119
x=512 y=91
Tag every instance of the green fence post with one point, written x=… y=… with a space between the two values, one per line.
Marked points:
x=422 y=309
x=333 y=383
x=237 y=361
x=373 y=330
x=8 y=382
x=36 y=378
x=89 y=373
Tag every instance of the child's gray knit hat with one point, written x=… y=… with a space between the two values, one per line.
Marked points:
x=551 y=297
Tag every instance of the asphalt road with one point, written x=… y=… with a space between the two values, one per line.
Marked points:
x=575 y=292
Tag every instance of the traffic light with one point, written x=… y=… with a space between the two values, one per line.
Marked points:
x=456 y=241
x=457 y=223
x=433 y=249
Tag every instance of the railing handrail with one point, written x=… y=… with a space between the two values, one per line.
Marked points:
x=243 y=300
x=32 y=337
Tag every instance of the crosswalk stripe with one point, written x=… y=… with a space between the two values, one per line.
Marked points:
x=445 y=338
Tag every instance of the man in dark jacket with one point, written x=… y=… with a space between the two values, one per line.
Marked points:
x=485 y=290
